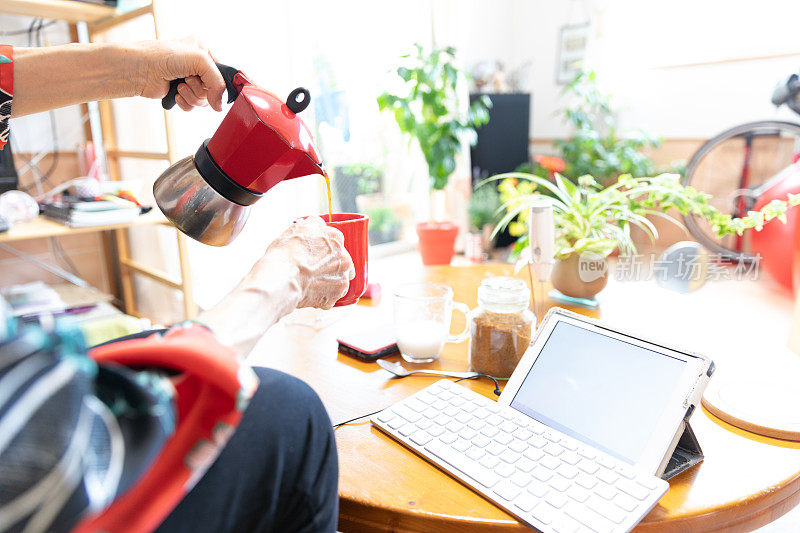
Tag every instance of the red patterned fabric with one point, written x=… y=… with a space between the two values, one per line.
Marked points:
x=6 y=89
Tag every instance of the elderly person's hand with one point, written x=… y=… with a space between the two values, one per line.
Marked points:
x=306 y=266
x=323 y=268
x=159 y=62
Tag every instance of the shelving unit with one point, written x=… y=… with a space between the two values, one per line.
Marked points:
x=98 y=20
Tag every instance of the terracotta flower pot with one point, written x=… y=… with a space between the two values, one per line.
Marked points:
x=580 y=276
x=437 y=242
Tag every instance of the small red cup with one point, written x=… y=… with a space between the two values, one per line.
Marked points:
x=354 y=227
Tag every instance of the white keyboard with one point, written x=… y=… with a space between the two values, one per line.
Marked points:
x=546 y=479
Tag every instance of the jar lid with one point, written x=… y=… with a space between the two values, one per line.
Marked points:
x=504 y=291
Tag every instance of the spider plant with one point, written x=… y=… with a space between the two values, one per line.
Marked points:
x=597 y=220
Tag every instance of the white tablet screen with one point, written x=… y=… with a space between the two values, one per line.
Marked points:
x=600 y=390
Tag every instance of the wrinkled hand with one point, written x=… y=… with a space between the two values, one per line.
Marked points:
x=323 y=268
x=159 y=62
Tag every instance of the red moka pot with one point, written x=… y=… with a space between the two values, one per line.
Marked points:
x=261 y=142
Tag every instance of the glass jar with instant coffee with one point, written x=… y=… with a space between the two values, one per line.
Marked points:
x=500 y=327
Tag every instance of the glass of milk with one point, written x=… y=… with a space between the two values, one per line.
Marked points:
x=422 y=313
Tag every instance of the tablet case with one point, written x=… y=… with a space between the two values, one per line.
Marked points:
x=686 y=454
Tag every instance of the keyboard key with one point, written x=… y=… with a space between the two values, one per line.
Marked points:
x=469 y=407
x=435 y=430
x=503 y=438
x=542 y=474
x=650 y=483
x=568 y=444
x=461 y=445
x=504 y=470
x=605 y=492
x=425 y=397
x=538 y=442
x=454 y=426
x=585 y=452
x=416 y=405
x=526 y=502
x=507 y=490
x=467 y=433
x=397 y=423
x=625 y=471
x=556 y=499
x=508 y=426
x=407 y=430
x=525 y=464
x=490 y=431
x=463 y=417
x=538 y=489
x=518 y=446
x=533 y=454
x=475 y=453
x=448 y=437
x=537 y=429
x=451 y=411
x=553 y=449
x=549 y=462
x=606 y=509
x=495 y=448
x=552 y=437
x=509 y=457
x=385 y=416
x=476 y=424
x=607 y=462
x=521 y=479
x=421 y=437
x=633 y=489
x=445 y=395
x=523 y=434
x=480 y=441
x=588 y=467
x=625 y=502
x=442 y=419
x=586 y=482
x=588 y=518
x=545 y=514
x=494 y=420
x=578 y=494
x=424 y=423
x=560 y=484
x=571 y=458
x=568 y=471
x=507 y=414
x=481 y=413
x=565 y=524
x=607 y=476
x=458 y=402
x=490 y=461
x=483 y=476
x=405 y=412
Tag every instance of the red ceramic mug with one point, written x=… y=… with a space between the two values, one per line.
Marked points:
x=354 y=227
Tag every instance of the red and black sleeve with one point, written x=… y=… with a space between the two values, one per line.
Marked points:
x=6 y=89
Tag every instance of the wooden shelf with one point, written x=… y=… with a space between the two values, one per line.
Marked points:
x=71 y=11
x=44 y=227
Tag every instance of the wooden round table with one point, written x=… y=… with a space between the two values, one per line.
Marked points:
x=746 y=480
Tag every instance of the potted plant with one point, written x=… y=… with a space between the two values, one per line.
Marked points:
x=483 y=206
x=592 y=221
x=429 y=110
x=354 y=180
x=384 y=225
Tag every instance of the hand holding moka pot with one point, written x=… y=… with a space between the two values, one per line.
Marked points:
x=260 y=142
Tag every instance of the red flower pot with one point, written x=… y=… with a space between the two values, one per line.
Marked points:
x=437 y=241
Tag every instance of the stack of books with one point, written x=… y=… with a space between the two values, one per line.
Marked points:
x=81 y=213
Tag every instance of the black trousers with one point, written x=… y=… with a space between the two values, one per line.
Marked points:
x=279 y=472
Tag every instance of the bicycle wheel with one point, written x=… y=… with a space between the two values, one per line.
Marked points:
x=733 y=168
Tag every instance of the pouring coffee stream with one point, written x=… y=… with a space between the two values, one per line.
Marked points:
x=260 y=142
